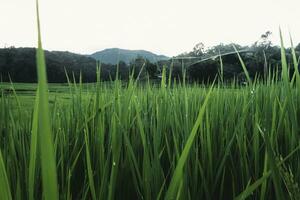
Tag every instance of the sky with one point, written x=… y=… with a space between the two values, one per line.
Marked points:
x=168 y=27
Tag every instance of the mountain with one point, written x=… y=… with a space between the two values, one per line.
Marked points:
x=114 y=55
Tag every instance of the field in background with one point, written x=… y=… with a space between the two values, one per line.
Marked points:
x=127 y=142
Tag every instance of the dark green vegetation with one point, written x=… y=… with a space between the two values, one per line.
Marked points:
x=261 y=58
x=19 y=65
x=114 y=55
x=201 y=65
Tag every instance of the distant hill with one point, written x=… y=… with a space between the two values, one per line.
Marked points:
x=20 y=65
x=112 y=56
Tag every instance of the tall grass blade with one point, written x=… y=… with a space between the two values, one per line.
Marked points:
x=243 y=66
x=295 y=62
x=284 y=72
x=33 y=149
x=48 y=163
x=4 y=184
x=178 y=172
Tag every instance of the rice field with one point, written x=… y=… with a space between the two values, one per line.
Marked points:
x=169 y=141
x=174 y=141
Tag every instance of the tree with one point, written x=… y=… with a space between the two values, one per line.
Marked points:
x=264 y=41
x=198 y=49
x=141 y=67
x=151 y=69
x=222 y=49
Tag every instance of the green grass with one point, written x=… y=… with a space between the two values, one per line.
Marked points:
x=132 y=141
x=148 y=142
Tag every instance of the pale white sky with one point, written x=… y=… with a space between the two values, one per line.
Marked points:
x=167 y=27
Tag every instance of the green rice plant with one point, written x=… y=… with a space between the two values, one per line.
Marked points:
x=221 y=72
x=295 y=63
x=43 y=127
x=5 y=192
x=176 y=181
x=134 y=142
x=284 y=73
x=33 y=150
x=243 y=66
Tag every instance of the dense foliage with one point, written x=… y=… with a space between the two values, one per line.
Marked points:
x=261 y=58
x=19 y=65
x=201 y=64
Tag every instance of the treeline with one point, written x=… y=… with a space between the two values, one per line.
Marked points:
x=19 y=65
x=201 y=64
x=260 y=58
